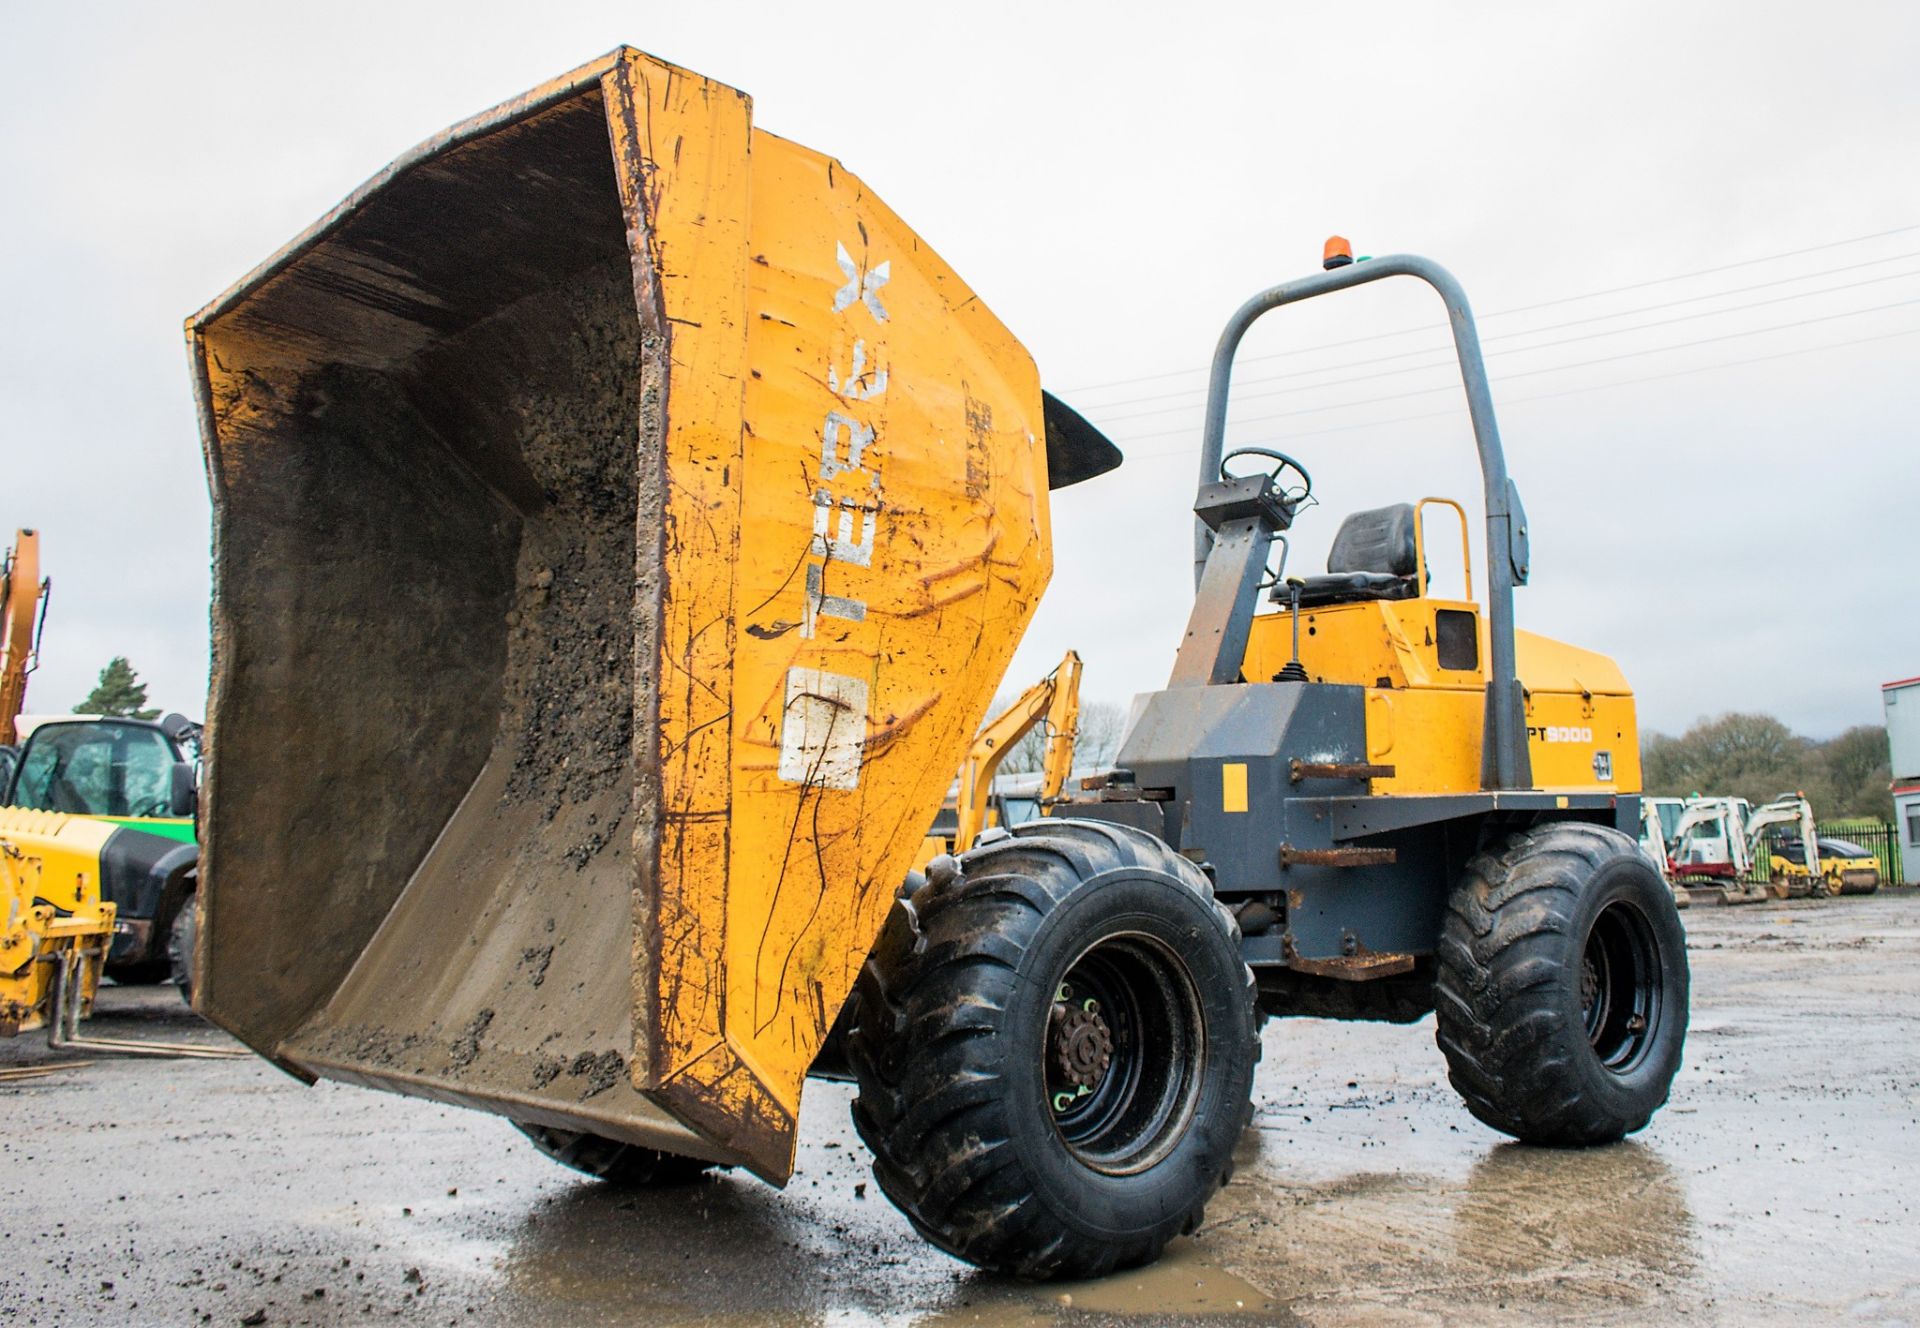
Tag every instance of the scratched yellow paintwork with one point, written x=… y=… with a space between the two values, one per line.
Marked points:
x=802 y=314
x=1426 y=721
x=49 y=901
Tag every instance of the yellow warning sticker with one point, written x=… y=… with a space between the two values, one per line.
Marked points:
x=1233 y=787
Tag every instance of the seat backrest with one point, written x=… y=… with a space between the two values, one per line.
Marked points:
x=1379 y=539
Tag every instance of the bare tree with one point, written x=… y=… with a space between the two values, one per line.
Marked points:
x=1758 y=758
x=1101 y=726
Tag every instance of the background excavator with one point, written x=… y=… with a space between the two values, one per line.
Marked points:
x=1744 y=854
x=23 y=599
x=982 y=799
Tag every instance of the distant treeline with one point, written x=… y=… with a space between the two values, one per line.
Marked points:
x=1758 y=758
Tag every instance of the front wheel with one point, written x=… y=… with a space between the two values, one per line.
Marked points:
x=182 y=937
x=1561 y=996
x=1054 y=1041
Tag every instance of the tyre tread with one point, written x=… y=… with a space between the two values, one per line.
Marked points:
x=1499 y=1019
x=926 y=1105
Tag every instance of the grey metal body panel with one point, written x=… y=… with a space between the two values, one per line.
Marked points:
x=1248 y=514
x=1355 y=817
x=1184 y=739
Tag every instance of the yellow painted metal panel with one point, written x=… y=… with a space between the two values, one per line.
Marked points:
x=848 y=571
x=50 y=902
x=894 y=541
x=1362 y=644
x=1426 y=720
x=1433 y=740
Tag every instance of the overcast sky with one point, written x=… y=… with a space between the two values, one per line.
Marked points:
x=1733 y=519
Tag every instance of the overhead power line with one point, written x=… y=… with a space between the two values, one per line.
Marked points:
x=1448 y=361
x=1258 y=380
x=1527 y=308
x=1543 y=396
x=1520 y=401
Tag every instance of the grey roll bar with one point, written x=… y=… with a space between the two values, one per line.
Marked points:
x=1505 y=764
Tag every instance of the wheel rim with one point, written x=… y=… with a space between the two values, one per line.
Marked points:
x=1620 y=989
x=1124 y=1052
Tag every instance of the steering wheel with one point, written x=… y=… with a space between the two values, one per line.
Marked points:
x=1291 y=494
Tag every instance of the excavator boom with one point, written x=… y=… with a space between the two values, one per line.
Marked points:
x=22 y=597
x=1056 y=699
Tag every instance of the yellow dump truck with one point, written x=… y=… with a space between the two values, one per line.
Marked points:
x=622 y=523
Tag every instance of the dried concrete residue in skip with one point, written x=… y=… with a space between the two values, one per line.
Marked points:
x=569 y=669
x=467 y=1045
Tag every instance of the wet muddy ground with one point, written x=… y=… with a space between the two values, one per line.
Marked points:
x=1778 y=1187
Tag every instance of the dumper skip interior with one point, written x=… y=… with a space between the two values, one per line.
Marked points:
x=623 y=521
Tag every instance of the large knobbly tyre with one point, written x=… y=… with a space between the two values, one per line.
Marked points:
x=626 y=1165
x=1055 y=1049
x=1561 y=994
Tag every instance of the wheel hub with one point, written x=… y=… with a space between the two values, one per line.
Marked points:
x=1619 y=986
x=1079 y=1043
x=1122 y=1053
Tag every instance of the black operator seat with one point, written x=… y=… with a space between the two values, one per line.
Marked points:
x=1373 y=557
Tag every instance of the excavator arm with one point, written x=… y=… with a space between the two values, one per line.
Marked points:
x=1063 y=729
x=21 y=595
x=1797 y=812
x=1056 y=699
x=1710 y=820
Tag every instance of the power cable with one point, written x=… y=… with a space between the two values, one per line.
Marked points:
x=1256 y=381
x=1448 y=361
x=1521 y=401
x=1528 y=308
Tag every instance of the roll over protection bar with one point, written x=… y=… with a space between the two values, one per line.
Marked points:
x=1504 y=763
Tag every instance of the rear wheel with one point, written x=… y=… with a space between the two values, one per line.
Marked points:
x=1561 y=995
x=1054 y=1041
x=617 y=1163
